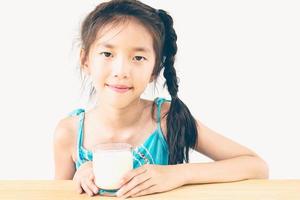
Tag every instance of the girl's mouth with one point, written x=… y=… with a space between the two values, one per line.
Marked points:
x=119 y=88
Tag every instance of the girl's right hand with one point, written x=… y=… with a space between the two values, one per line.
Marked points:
x=84 y=178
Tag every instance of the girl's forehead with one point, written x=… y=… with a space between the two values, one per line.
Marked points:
x=129 y=32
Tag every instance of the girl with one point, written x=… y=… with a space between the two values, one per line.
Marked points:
x=125 y=46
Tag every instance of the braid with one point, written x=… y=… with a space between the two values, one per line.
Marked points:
x=169 y=52
x=181 y=125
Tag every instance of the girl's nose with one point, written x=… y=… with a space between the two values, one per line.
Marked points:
x=121 y=68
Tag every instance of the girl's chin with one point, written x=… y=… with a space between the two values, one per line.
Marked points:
x=117 y=102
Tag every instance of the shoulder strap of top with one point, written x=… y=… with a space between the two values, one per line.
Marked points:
x=159 y=101
x=76 y=112
x=79 y=112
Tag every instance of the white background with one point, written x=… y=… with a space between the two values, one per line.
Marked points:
x=238 y=64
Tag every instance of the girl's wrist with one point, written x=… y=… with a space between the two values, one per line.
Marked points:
x=87 y=164
x=181 y=173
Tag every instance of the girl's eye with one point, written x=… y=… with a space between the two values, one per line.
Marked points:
x=106 y=54
x=139 y=58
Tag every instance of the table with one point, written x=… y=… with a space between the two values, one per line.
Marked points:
x=242 y=190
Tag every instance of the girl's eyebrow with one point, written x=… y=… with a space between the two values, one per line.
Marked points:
x=110 y=46
x=106 y=45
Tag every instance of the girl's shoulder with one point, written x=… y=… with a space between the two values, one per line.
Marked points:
x=65 y=132
x=164 y=109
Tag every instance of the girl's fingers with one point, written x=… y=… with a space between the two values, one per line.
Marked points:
x=87 y=189
x=78 y=188
x=146 y=191
x=139 y=189
x=84 y=179
x=137 y=183
x=78 y=185
x=92 y=186
x=132 y=174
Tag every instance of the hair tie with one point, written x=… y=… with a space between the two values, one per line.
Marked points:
x=175 y=97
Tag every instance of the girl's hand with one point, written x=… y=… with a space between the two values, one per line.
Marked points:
x=149 y=179
x=84 y=178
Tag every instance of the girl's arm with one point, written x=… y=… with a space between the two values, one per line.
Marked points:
x=63 y=141
x=232 y=161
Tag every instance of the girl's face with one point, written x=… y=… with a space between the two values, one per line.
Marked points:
x=120 y=62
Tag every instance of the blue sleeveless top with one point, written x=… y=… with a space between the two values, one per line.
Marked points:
x=154 y=150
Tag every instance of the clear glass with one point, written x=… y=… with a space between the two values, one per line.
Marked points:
x=111 y=161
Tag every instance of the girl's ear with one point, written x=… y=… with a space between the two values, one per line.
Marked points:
x=83 y=62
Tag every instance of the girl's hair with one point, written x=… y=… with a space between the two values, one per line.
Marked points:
x=181 y=125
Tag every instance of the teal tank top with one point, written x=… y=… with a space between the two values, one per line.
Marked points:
x=154 y=149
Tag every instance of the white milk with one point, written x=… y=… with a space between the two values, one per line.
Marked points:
x=110 y=166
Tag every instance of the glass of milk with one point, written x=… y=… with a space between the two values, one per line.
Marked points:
x=111 y=161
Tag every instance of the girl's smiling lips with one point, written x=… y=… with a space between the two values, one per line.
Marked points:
x=119 y=88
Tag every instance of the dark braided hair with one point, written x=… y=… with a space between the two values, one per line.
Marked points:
x=181 y=125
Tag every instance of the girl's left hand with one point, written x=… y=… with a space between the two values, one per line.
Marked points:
x=149 y=179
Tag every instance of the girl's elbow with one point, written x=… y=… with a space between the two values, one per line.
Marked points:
x=262 y=169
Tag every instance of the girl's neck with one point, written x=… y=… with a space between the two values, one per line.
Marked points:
x=119 y=119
